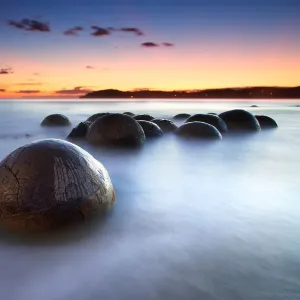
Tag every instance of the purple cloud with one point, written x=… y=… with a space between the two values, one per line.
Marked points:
x=73 y=31
x=134 y=30
x=168 y=44
x=98 y=31
x=30 y=25
x=5 y=71
x=149 y=45
x=76 y=91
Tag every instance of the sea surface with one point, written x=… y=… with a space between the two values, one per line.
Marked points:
x=215 y=220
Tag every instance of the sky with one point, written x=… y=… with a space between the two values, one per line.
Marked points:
x=64 y=48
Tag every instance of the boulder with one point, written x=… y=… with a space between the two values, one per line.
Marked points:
x=181 y=116
x=96 y=116
x=128 y=113
x=150 y=129
x=56 y=120
x=144 y=117
x=199 y=130
x=266 y=122
x=80 y=130
x=210 y=119
x=49 y=183
x=240 y=120
x=116 y=130
x=165 y=125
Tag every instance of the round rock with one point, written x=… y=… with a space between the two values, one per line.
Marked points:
x=165 y=125
x=116 y=130
x=96 y=116
x=240 y=120
x=80 y=130
x=49 y=183
x=128 y=113
x=199 y=130
x=144 y=117
x=266 y=122
x=150 y=129
x=210 y=119
x=56 y=120
x=181 y=116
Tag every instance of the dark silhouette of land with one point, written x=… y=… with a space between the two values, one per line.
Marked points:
x=226 y=93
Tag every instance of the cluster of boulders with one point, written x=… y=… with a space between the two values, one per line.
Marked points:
x=127 y=129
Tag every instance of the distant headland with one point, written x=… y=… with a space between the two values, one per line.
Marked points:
x=225 y=93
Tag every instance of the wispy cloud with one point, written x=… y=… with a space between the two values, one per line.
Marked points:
x=2 y=90
x=90 y=67
x=166 y=44
x=28 y=91
x=75 y=91
x=28 y=84
x=30 y=25
x=36 y=74
x=149 y=45
x=5 y=71
x=134 y=30
x=73 y=31
x=98 y=31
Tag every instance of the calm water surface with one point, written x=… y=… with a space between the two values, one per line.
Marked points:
x=193 y=220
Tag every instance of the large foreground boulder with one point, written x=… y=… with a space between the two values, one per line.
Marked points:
x=199 y=130
x=96 y=116
x=116 y=130
x=210 y=119
x=240 y=120
x=165 y=125
x=80 y=130
x=144 y=117
x=266 y=122
x=181 y=116
x=150 y=129
x=49 y=183
x=56 y=120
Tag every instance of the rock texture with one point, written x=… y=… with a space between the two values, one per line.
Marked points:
x=49 y=183
x=150 y=129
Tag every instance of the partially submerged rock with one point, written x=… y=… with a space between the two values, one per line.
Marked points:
x=150 y=129
x=240 y=120
x=96 y=116
x=198 y=130
x=128 y=113
x=144 y=117
x=266 y=122
x=49 y=183
x=181 y=116
x=165 y=125
x=116 y=130
x=80 y=130
x=56 y=120
x=210 y=119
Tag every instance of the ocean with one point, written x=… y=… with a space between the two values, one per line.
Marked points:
x=203 y=220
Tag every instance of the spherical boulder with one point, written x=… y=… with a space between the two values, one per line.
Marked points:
x=165 y=125
x=144 y=117
x=199 y=130
x=128 y=113
x=214 y=114
x=56 y=120
x=80 y=130
x=49 y=183
x=96 y=116
x=240 y=120
x=210 y=119
x=181 y=116
x=266 y=122
x=150 y=129
x=116 y=130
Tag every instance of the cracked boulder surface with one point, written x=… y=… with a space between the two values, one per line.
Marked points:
x=165 y=125
x=56 y=120
x=116 y=130
x=240 y=120
x=199 y=130
x=49 y=183
x=209 y=119
x=151 y=129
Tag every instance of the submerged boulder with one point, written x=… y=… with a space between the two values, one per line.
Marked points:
x=266 y=122
x=128 y=113
x=144 y=117
x=56 y=120
x=49 y=183
x=80 y=130
x=151 y=129
x=199 y=130
x=116 y=130
x=210 y=119
x=181 y=116
x=96 y=116
x=165 y=125
x=240 y=120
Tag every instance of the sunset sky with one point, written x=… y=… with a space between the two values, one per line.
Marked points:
x=55 y=49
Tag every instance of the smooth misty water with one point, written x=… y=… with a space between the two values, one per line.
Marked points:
x=193 y=220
